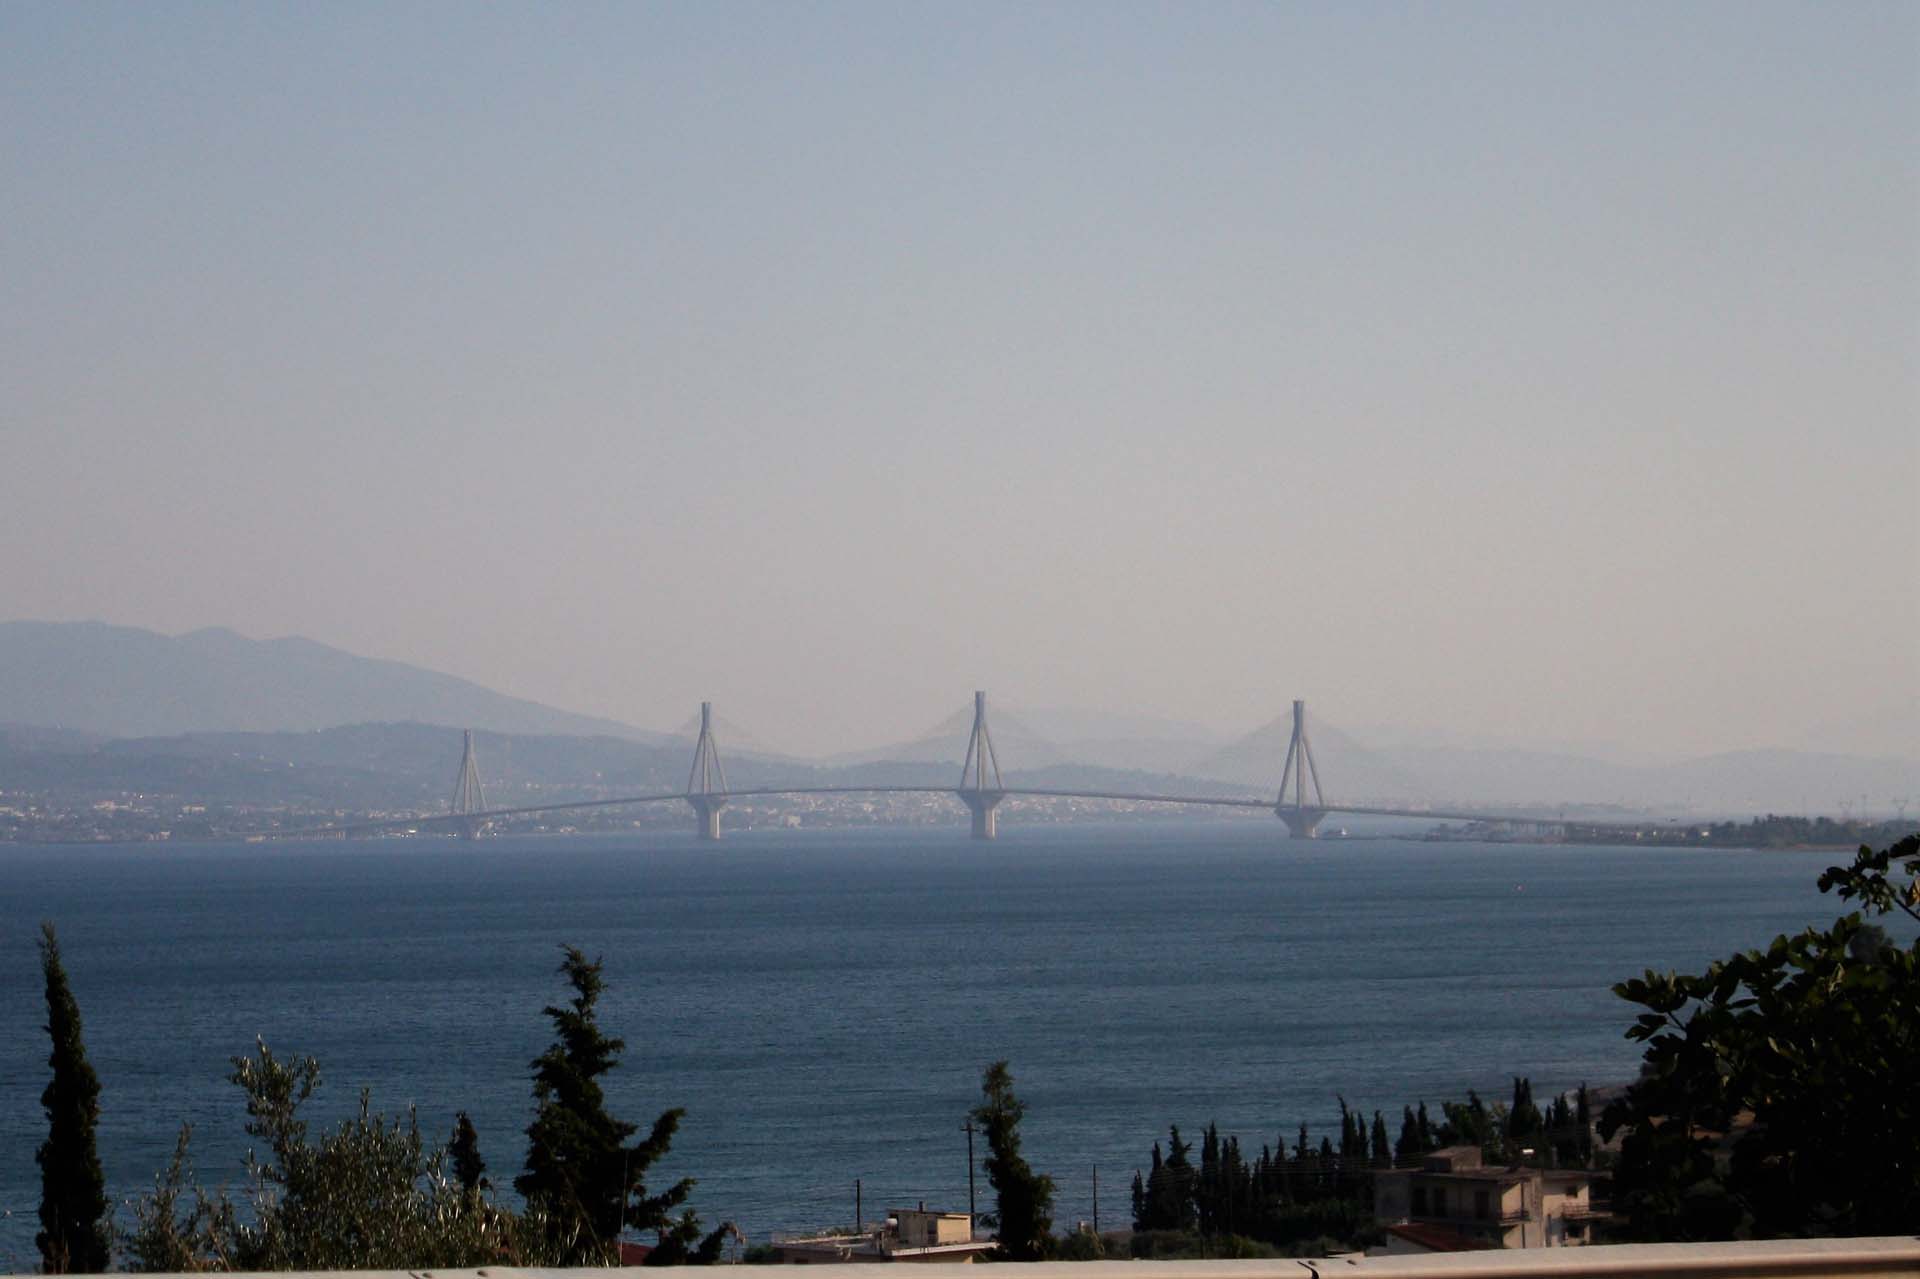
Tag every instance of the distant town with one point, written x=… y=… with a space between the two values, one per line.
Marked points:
x=149 y=817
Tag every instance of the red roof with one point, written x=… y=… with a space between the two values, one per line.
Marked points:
x=634 y=1254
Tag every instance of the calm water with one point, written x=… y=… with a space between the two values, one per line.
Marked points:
x=822 y=1004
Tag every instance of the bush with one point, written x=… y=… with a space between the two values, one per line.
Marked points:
x=367 y=1196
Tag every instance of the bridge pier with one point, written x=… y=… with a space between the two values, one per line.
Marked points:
x=1301 y=823
x=468 y=797
x=707 y=783
x=706 y=812
x=981 y=804
x=981 y=789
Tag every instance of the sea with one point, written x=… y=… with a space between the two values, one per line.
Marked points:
x=822 y=1003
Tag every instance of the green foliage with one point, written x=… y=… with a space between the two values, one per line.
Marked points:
x=73 y=1200
x=1472 y=1124
x=469 y=1169
x=1222 y=1191
x=1379 y=1152
x=1525 y=1125
x=1776 y=1096
x=1276 y=1199
x=1024 y=1214
x=372 y=1195
x=1567 y=1131
x=1316 y=1196
x=367 y=1196
x=682 y=1244
x=1866 y=880
x=1168 y=1202
x=1557 y=1137
x=1188 y=1245
x=1079 y=1245
x=1159 y=1205
x=1322 y=1226
x=580 y=1172
x=167 y=1241
x=1408 y=1148
x=1774 y=831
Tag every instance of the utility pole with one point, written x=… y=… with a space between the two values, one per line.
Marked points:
x=1096 y=1201
x=856 y=1205
x=969 y=1129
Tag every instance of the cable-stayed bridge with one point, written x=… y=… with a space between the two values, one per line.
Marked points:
x=980 y=789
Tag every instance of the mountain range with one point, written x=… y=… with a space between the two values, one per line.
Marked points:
x=119 y=681
x=116 y=704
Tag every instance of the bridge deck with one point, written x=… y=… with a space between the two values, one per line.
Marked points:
x=1011 y=792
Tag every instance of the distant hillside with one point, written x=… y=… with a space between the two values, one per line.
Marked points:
x=412 y=767
x=367 y=766
x=118 y=681
x=21 y=738
x=1131 y=743
x=1740 y=782
x=87 y=707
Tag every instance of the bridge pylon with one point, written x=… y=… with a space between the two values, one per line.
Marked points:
x=707 y=783
x=1302 y=819
x=981 y=789
x=468 y=797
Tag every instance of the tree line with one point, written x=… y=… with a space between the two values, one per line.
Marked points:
x=1776 y=831
x=1322 y=1194
x=372 y=1193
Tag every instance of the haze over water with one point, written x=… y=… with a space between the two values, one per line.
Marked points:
x=822 y=1003
x=1515 y=374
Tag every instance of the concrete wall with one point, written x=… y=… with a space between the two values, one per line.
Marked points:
x=1879 y=1258
x=921 y=1229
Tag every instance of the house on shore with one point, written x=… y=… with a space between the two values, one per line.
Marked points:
x=907 y=1235
x=1453 y=1197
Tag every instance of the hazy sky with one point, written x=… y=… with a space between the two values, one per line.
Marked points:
x=1539 y=371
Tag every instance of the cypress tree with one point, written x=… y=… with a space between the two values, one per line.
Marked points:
x=1025 y=1216
x=1349 y=1142
x=1280 y=1185
x=1481 y=1122
x=1382 y=1153
x=1207 y=1190
x=1524 y=1123
x=1408 y=1146
x=73 y=1198
x=580 y=1169
x=1175 y=1208
x=468 y=1167
x=1237 y=1181
x=1145 y=1215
